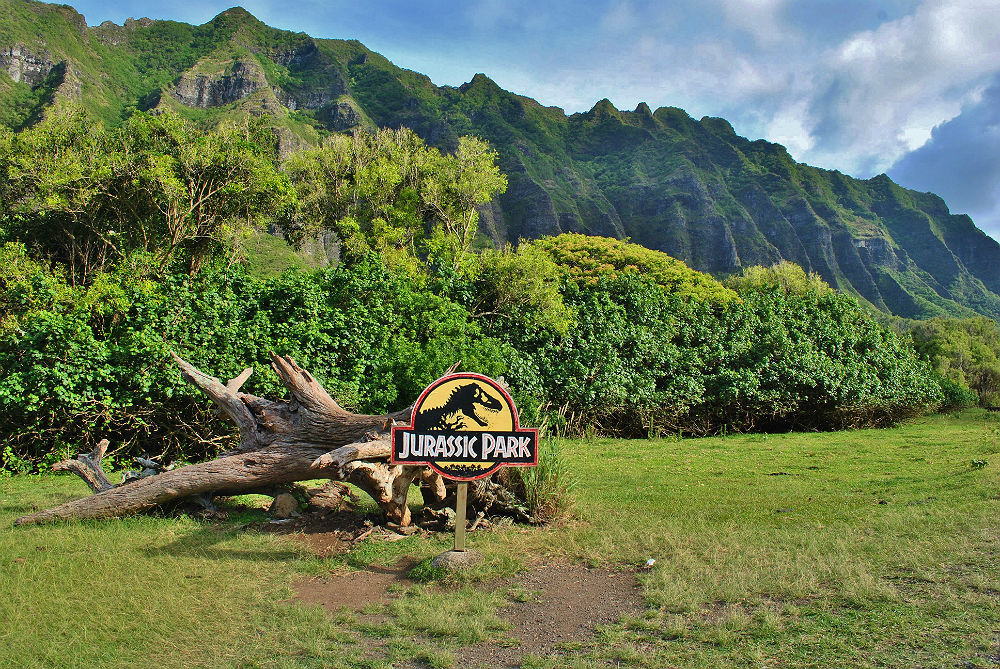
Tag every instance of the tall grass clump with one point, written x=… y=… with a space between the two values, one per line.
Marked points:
x=546 y=489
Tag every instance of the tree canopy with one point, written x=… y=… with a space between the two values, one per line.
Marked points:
x=87 y=196
x=387 y=192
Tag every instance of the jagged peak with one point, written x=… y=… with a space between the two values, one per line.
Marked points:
x=881 y=179
x=237 y=12
x=236 y=16
x=643 y=108
x=604 y=108
x=481 y=82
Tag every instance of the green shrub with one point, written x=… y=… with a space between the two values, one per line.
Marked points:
x=78 y=367
x=639 y=362
x=956 y=396
x=617 y=355
x=586 y=259
x=786 y=276
x=965 y=351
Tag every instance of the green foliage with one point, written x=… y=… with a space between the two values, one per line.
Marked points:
x=641 y=362
x=85 y=196
x=812 y=361
x=965 y=353
x=364 y=187
x=387 y=192
x=784 y=275
x=507 y=286
x=586 y=259
x=84 y=363
x=620 y=355
x=465 y=180
x=206 y=191
x=956 y=396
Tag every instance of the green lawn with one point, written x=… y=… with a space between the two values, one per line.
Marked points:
x=875 y=548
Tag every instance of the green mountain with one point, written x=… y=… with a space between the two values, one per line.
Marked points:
x=691 y=188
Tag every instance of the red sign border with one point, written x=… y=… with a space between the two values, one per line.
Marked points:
x=497 y=465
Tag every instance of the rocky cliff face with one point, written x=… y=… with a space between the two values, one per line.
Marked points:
x=24 y=66
x=205 y=91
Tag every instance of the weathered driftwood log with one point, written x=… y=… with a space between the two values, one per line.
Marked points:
x=89 y=468
x=308 y=436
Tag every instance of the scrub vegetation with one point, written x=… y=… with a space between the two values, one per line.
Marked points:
x=122 y=244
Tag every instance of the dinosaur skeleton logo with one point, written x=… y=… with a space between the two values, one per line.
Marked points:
x=465 y=427
x=461 y=405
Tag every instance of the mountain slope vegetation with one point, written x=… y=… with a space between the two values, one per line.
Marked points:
x=691 y=188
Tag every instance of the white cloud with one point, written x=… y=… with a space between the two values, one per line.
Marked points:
x=881 y=92
x=789 y=127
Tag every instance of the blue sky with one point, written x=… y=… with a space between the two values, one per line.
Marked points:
x=906 y=87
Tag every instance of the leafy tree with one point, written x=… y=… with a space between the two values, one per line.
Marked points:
x=53 y=191
x=85 y=196
x=386 y=191
x=460 y=182
x=364 y=187
x=205 y=191
x=786 y=276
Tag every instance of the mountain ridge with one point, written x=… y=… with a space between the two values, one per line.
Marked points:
x=691 y=188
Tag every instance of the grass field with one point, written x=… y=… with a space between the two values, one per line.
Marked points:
x=875 y=548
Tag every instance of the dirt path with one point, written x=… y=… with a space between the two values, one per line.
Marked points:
x=562 y=603
x=550 y=605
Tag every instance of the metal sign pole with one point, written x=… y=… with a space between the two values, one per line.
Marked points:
x=463 y=495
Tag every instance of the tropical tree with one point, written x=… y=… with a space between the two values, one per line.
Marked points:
x=82 y=195
x=386 y=191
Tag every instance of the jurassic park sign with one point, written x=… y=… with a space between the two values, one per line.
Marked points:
x=465 y=427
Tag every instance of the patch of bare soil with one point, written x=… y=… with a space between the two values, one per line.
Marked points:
x=324 y=534
x=562 y=603
x=354 y=589
x=550 y=605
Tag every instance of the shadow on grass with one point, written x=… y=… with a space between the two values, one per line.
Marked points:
x=215 y=543
x=18 y=510
x=20 y=507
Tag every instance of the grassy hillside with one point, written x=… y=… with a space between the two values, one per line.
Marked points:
x=691 y=188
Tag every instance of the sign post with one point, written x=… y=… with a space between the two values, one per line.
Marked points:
x=460 y=515
x=465 y=427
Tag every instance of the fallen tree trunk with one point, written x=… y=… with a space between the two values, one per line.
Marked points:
x=308 y=436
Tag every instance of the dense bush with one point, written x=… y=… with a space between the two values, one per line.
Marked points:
x=965 y=353
x=640 y=361
x=86 y=363
x=812 y=361
x=83 y=364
